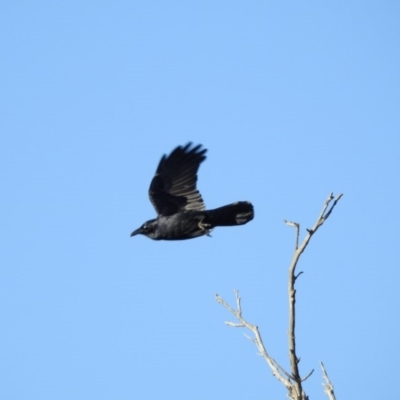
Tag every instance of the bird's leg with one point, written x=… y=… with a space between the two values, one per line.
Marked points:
x=204 y=226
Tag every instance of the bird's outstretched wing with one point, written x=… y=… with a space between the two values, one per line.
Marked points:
x=173 y=187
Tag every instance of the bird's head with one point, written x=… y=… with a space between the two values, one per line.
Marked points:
x=148 y=229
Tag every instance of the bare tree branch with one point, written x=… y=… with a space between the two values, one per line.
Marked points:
x=293 y=380
x=294 y=360
x=328 y=387
x=277 y=370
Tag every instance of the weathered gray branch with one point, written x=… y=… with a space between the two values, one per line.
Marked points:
x=328 y=387
x=277 y=370
x=294 y=359
x=293 y=380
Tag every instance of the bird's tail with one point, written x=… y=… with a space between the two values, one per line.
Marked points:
x=238 y=213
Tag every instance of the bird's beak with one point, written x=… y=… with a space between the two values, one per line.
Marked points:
x=136 y=232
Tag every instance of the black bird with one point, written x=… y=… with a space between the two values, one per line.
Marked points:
x=180 y=208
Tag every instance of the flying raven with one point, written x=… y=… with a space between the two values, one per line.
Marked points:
x=180 y=208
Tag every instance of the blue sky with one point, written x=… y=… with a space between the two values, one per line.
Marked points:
x=292 y=100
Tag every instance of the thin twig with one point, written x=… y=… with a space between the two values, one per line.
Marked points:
x=328 y=387
x=297 y=227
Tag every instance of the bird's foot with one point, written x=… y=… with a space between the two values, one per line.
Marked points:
x=205 y=227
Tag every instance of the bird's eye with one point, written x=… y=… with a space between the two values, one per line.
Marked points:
x=144 y=226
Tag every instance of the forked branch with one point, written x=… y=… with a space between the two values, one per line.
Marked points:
x=277 y=370
x=292 y=380
x=294 y=359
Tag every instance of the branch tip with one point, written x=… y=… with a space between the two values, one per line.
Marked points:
x=328 y=387
x=296 y=276
x=309 y=374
